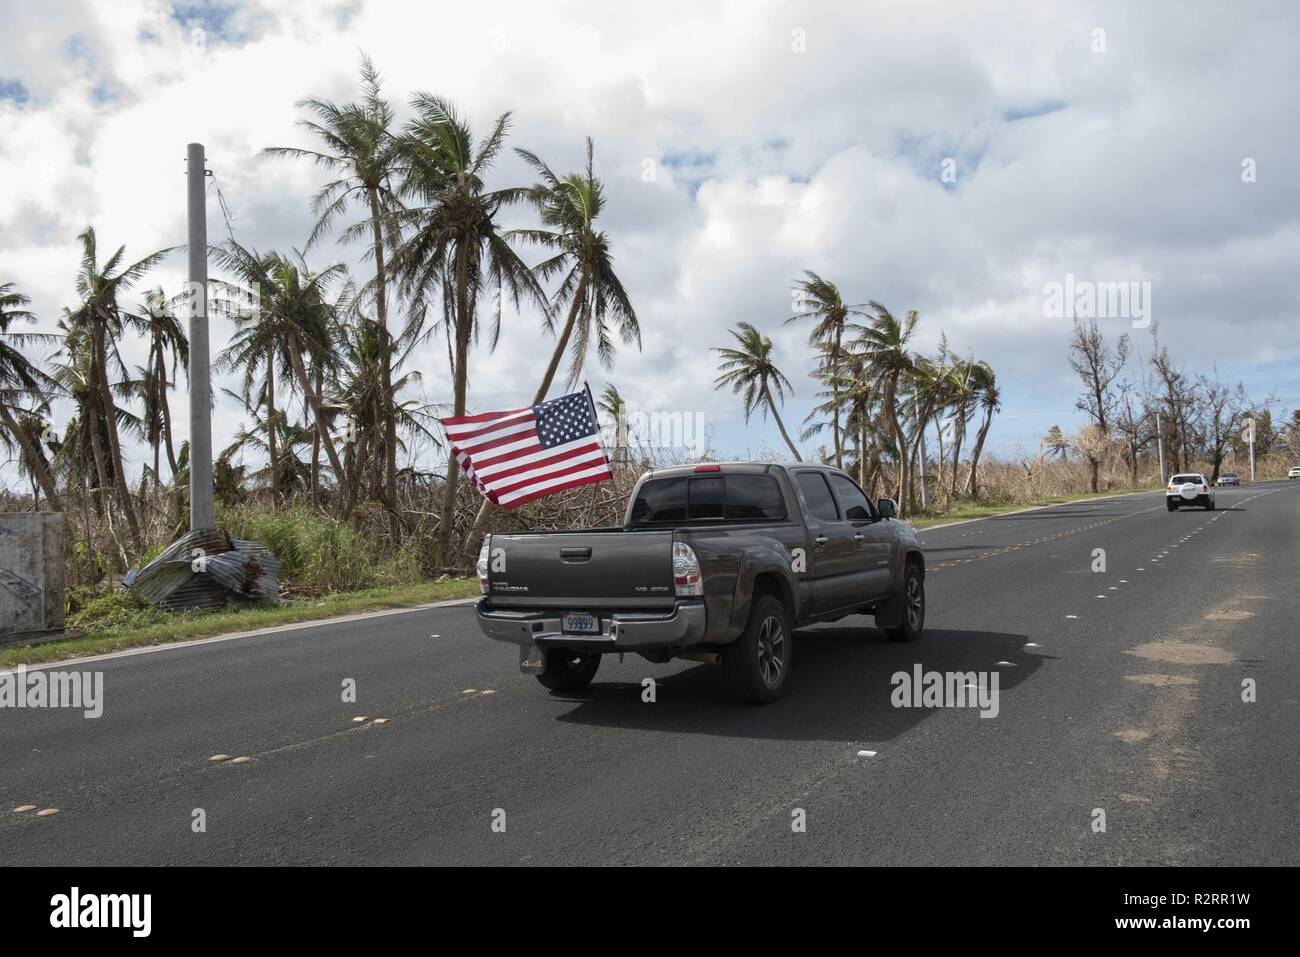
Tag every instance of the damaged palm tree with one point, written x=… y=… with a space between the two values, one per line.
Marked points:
x=207 y=569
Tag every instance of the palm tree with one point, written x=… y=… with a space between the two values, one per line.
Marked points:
x=989 y=400
x=100 y=319
x=930 y=396
x=568 y=207
x=166 y=335
x=883 y=344
x=612 y=404
x=820 y=300
x=294 y=310
x=359 y=146
x=963 y=385
x=455 y=246
x=750 y=373
x=260 y=351
x=21 y=380
x=358 y=383
x=1056 y=441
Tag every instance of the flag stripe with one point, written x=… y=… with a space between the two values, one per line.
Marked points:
x=595 y=475
x=467 y=433
x=505 y=488
x=497 y=465
x=454 y=421
x=495 y=441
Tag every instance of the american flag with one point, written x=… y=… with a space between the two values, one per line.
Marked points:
x=522 y=454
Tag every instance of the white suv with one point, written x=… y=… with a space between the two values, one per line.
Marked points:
x=1294 y=473
x=1189 y=488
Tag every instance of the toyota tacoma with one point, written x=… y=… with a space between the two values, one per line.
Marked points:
x=716 y=563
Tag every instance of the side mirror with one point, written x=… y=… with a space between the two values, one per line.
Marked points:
x=888 y=508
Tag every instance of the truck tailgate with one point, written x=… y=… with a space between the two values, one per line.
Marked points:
x=596 y=569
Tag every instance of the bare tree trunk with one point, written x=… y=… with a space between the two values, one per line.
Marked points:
x=958 y=434
x=114 y=445
x=166 y=415
x=315 y=444
x=390 y=401
x=300 y=371
x=780 y=425
x=460 y=374
x=835 y=397
x=973 y=488
x=270 y=424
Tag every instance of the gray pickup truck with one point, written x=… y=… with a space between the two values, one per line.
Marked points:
x=716 y=563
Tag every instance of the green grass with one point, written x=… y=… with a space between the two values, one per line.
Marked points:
x=968 y=511
x=118 y=621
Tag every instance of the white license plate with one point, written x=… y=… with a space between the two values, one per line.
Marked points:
x=580 y=622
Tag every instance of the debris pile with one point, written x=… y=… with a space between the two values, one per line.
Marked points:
x=206 y=569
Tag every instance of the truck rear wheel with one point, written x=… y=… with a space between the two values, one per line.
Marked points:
x=568 y=670
x=913 y=618
x=755 y=666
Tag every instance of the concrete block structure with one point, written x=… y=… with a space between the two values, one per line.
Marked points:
x=31 y=575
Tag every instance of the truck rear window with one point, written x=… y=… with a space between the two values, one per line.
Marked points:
x=716 y=497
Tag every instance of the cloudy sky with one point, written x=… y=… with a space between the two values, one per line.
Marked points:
x=740 y=143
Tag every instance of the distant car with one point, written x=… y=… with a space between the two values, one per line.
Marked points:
x=1294 y=473
x=1189 y=488
x=1229 y=478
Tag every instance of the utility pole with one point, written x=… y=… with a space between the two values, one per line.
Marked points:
x=1160 y=445
x=1249 y=436
x=200 y=385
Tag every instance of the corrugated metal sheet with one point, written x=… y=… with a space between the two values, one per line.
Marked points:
x=206 y=569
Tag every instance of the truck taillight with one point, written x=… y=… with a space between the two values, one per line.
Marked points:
x=686 y=571
x=483 y=564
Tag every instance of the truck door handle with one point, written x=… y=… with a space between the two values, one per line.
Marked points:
x=575 y=554
x=858 y=537
x=819 y=541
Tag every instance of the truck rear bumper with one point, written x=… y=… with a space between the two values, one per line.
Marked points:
x=619 y=631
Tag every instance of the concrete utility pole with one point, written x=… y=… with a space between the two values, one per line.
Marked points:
x=200 y=386
x=1160 y=444
x=1249 y=435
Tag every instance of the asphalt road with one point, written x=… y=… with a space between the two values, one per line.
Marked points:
x=1120 y=692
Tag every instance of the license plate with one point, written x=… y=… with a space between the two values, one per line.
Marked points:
x=580 y=622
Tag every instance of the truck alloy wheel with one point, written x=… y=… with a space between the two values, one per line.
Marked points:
x=756 y=665
x=771 y=651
